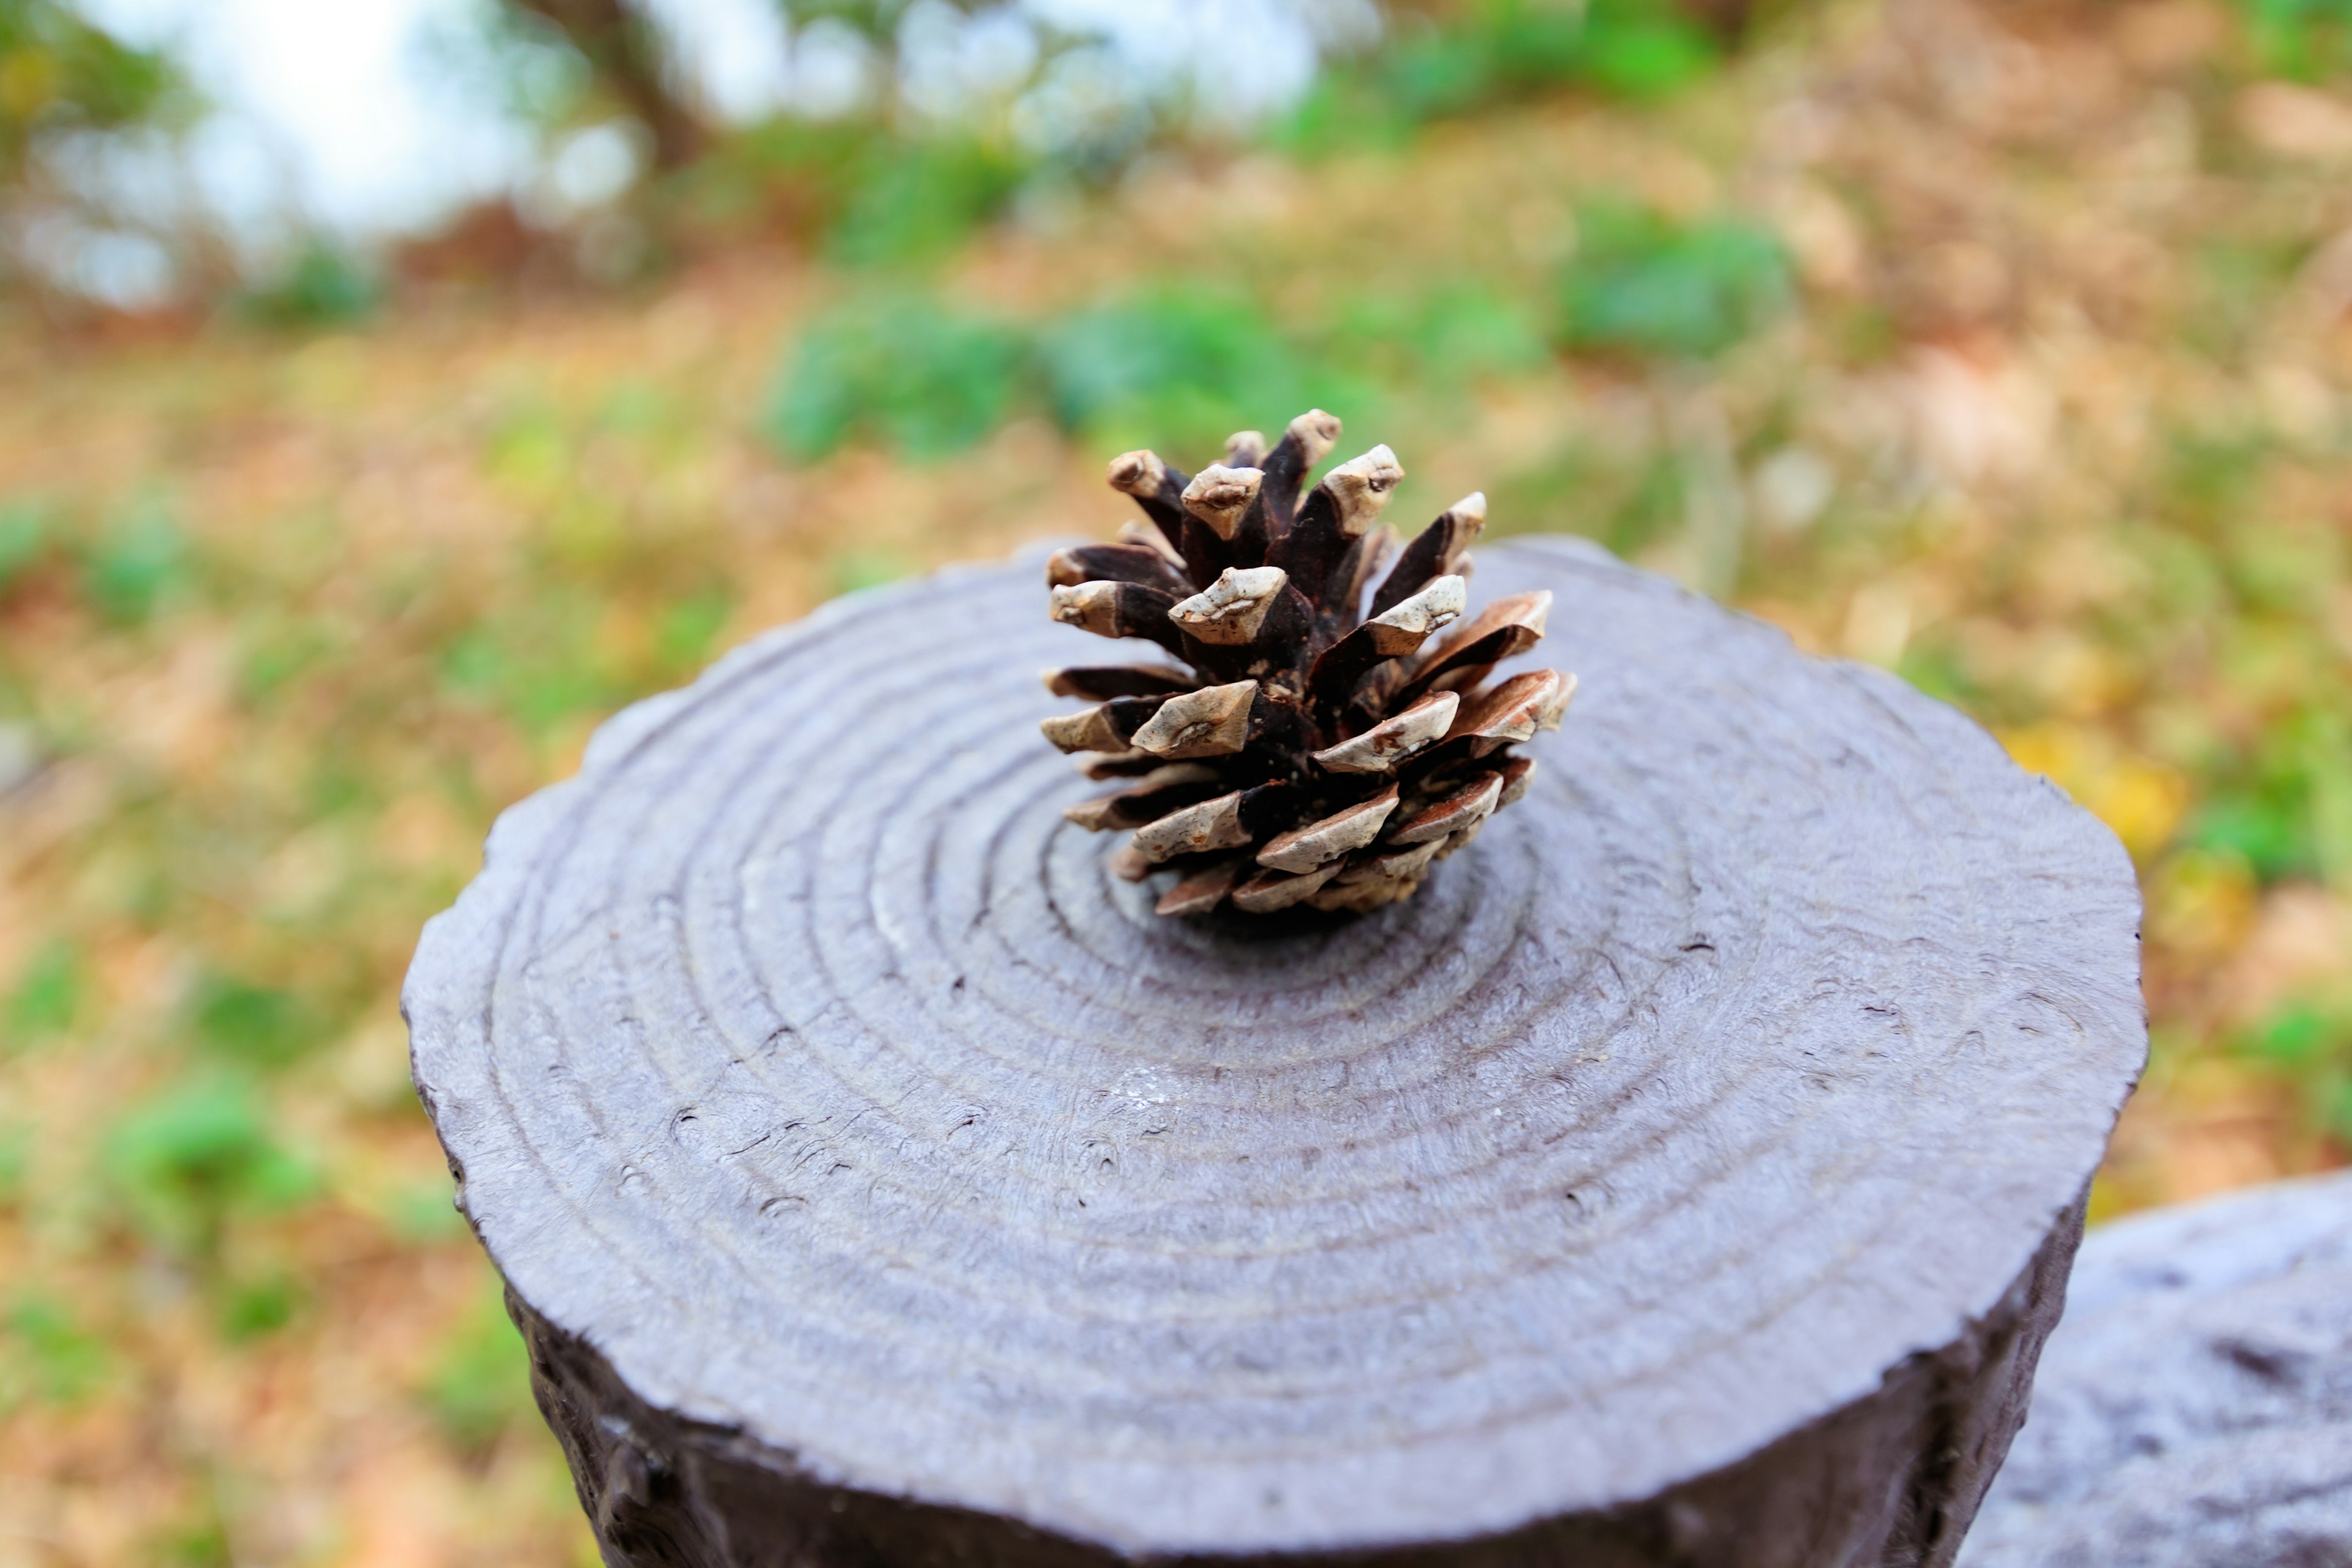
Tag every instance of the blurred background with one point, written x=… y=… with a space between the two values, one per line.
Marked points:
x=390 y=389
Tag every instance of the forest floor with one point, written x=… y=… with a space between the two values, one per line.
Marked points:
x=2044 y=408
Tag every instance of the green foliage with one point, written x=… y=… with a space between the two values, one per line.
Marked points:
x=1644 y=53
x=1448 y=337
x=897 y=368
x=1641 y=284
x=46 y=997
x=2265 y=831
x=2285 y=807
x=59 y=72
x=2310 y=1044
x=188 y=1160
x=1174 y=364
x=1180 y=364
x=280 y=651
x=1939 y=670
x=250 y=1025
x=198 y=1535
x=687 y=627
x=1491 y=52
x=538 y=663
x=874 y=20
x=917 y=201
x=45 y=1355
x=862 y=192
x=2307 y=39
x=324 y=285
x=1626 y=500
x=202 y=1543
x=257 y=1308
x=480 y=1382
x=135 y=565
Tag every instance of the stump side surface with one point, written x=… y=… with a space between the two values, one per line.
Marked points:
x=802 y=1060
x=2195 y=1407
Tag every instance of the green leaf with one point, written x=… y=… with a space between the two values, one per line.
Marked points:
x=1492 y=52
x=2296 y=1036
x=1645 y=58
x=185 y=1162
x=47 y=995
x=2267 y=831
x=2303 y=39
x=277 y=653
x=686 y=628
x=50 y=1356
x=917 y=201
x=259 y=1308
x=2308 y=1041
x=250 y=1024
x=1642 y=285
x=59 y=72
x=140 y=560
x=900 y=371
x=1178 y=366
x=539 y=662
x=323 y=286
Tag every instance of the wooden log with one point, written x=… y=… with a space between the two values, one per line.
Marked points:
x=1687 y=1173
x=2195 y=1405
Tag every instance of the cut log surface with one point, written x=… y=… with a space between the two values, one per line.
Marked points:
x=1687 y=1173
x=2195 y=1407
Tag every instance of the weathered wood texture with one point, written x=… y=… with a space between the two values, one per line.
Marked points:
x=1687 y=1175
x=2195 y=1407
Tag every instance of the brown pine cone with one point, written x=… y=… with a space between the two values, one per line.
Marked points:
x=1331 y=734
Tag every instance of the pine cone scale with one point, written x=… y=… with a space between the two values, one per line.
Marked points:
x=1157 y=488
x=1353 y=827
x=1215 y=720
x=1465 y=808
x=1115 y=563
x=1100 y=683
x=1387 y=744
x=1307 y=442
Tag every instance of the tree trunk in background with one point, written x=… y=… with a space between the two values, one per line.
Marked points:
x=624 y=50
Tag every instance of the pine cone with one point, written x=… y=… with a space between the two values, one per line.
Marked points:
x=1324 y=743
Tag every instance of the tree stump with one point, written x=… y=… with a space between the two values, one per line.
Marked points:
x=2195 y=1407
x=1688 y=1174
